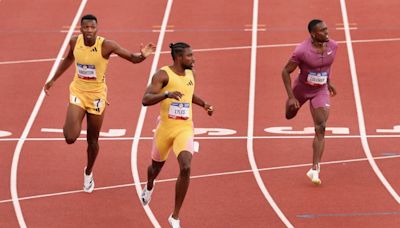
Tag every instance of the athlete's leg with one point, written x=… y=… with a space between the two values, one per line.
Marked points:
x=73 y=123
x=182 y=184
x=94 y=123
x=320 y=116
x=152 y=172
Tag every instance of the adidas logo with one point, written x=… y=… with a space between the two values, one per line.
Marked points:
x=190 y=83
x=94 y=50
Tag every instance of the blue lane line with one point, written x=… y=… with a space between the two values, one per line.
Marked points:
x=390 y=153
x=311 y=216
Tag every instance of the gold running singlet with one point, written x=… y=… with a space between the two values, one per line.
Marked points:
x=175 y=127
x=88 y=90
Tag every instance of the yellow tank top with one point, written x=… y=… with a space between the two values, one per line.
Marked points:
x=174 y=111
x=90 y=65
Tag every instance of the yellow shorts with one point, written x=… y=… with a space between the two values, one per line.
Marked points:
x=177 y=137
x=92 y=102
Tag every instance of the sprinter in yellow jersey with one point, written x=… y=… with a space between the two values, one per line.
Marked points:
x=88 y=90
x=173 y=87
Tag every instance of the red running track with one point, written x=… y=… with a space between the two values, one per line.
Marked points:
x=223 y=191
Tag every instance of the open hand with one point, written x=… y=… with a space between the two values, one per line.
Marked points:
x=147 y=50
x=175 y=95
x=332 y=90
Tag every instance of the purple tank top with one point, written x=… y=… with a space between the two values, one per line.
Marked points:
x=314 y=67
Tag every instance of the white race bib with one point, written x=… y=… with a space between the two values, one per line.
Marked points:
x=179 y=111
x=86 y=71
x=317 y=79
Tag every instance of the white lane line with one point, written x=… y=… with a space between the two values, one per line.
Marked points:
x=211 y=137
x=142 y=115
x=28 y=126
x=219 y=49
x=250 y=122
x=360 y=114
x=203 y=176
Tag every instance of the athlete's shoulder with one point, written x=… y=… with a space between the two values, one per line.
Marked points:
x=162 y=72
x=107 y=42
x=303 y=45
x=332 y=43
x=73 y=40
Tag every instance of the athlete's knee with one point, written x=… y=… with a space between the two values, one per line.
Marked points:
x=320 y=128
x=70 y=140
x=69 y=136
x=93 y=142
x=290 y=115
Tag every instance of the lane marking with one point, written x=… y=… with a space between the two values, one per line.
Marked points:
x=360 y=114
x=142 y=115
x=350 y=28
x=158 y=30
x=258 y=29
x=214 y=137
x=202 y=176
x=109 y=133
x=28 y=126
x=395 y=129
x=311 y=216
x=307 y=130
x=250 y=122
x=218 y=49
x=66 y=31
x=5 y=133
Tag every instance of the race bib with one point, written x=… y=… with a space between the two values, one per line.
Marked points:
x=86 y=71
x=317 y=79
x=179 y=111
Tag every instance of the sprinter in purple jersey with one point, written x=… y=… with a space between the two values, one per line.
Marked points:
x=314 y=57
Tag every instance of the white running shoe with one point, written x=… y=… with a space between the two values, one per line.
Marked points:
x=146 y=194
x=175 y=223
x=314 y=176
x=88 y=182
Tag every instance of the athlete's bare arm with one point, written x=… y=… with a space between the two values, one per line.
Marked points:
x=287 y=70
x=331 y=88
x=66 y=62
x=111 y=47
x=200 y=102
x=153 y=93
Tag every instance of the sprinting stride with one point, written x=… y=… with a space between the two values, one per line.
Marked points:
x=173 y=87
x=88 y=89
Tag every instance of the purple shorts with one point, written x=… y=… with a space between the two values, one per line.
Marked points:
x=318 y=96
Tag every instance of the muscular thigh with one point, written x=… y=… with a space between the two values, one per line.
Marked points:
x=183 y=141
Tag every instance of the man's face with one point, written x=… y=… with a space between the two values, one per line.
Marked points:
x=320 y=33
x=187 y=59
x=89 y=29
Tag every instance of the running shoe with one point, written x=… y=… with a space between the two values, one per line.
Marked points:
x=175 y=223
x=314 y=176
x=146 y=194
x=88 y=182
